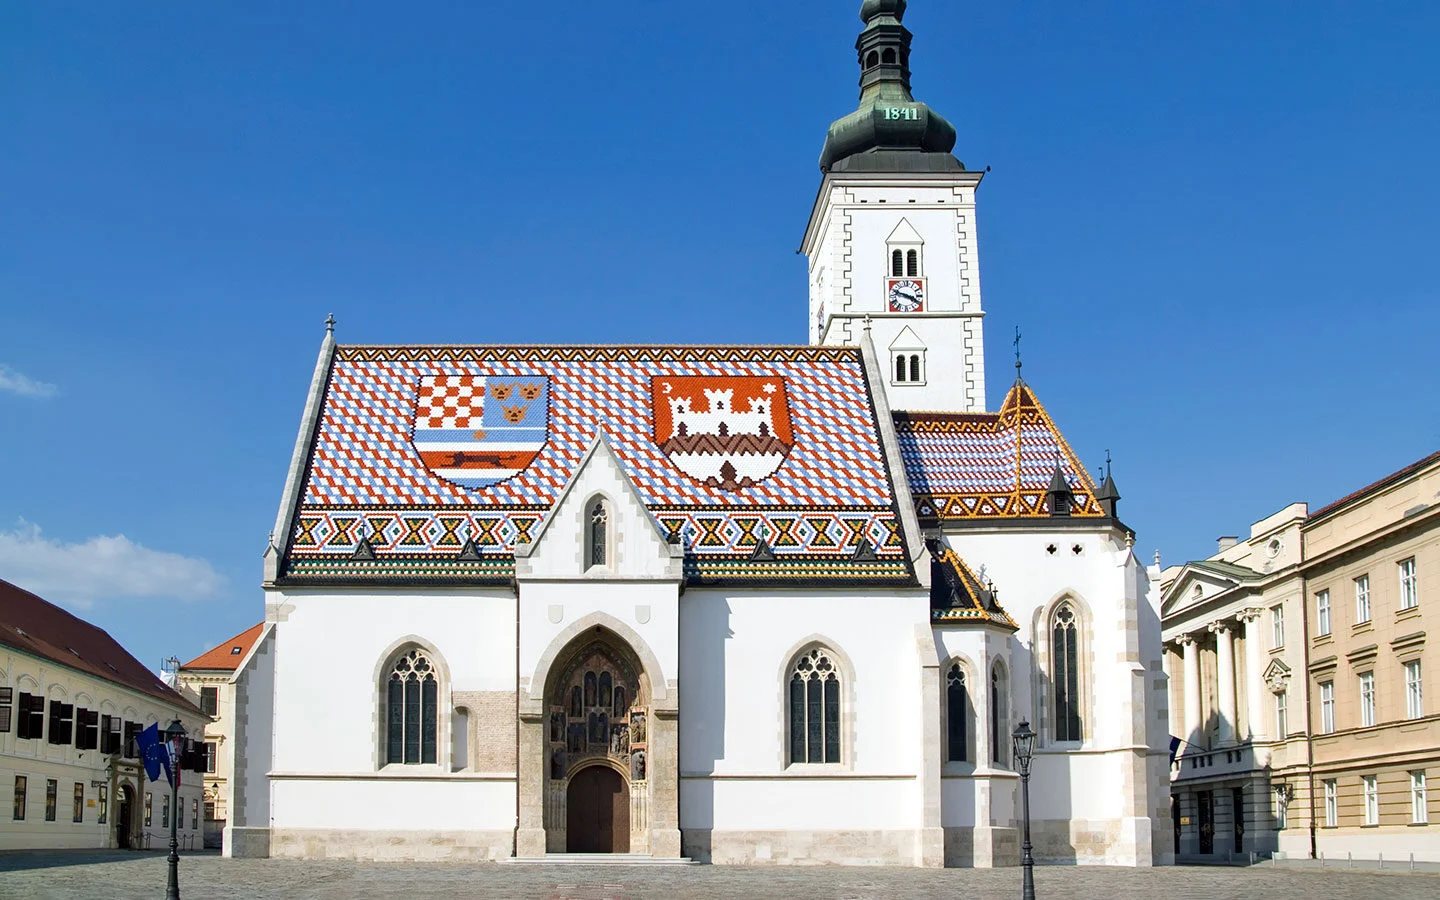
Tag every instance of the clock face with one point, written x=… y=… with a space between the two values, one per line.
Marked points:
x=905 y=294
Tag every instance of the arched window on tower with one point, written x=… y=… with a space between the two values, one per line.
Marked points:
x=889 y=56
x=814 y=708
x=897 y=263
x=900 y=368
x=915 y=368
x=912 y=262
x=872 y=60
x=1065 y=673
x=957 y=715
x=412 y=691
x=597 y=534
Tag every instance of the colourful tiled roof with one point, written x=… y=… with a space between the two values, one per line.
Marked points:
x=42 y=629
x=227 y=654
x=433 y=462
x=970 y=466
x=957 y=595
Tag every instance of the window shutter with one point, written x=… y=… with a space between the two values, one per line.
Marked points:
x=22 y=728
x=56 y=708
x=7 y=698
x=80 y=715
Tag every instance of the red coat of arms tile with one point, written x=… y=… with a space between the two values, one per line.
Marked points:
x=727 y=432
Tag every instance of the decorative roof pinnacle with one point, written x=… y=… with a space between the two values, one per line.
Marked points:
x=330 y=324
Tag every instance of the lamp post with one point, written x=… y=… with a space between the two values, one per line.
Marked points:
x=175 y=736
x=1024 y=747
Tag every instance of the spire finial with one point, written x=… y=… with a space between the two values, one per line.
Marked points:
x=1107 y=462
x=330 y=324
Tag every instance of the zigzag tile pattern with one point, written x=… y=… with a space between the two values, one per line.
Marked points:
x=965 y=466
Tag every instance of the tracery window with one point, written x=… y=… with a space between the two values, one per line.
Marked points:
x=1065 y=673
x=957 y=713
x=814 y=709
x=597 y=534
x=411 y=697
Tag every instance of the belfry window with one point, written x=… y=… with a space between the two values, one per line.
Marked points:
x=957 y=715
x=888 y=57
x=912 y=262
x=872 y=60
x=1065 y=673
x=597 y=534
x=411 y=700
x=897 y=263
x=909 y=368
x=814 y=708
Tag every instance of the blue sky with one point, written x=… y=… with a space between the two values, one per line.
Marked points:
x=1215 y=224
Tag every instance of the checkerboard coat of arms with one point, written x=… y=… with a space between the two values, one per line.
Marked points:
x=725 y=432
x=478 y=430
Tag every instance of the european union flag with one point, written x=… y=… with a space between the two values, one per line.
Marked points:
x=154 y=753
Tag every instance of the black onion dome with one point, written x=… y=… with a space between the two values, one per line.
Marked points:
x=889 y=121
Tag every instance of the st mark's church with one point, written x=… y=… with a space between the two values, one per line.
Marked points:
x=736 y=604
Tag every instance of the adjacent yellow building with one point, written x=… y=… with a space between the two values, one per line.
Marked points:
x=1298 y=660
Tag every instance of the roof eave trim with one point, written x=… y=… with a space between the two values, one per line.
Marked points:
x=299 y=461
x=904 y=503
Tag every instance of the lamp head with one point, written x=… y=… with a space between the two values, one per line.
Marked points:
x=175 y=733
x=1024 y=739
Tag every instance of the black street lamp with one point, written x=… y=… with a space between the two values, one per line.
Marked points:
x=175 y=736
x=1024 y=749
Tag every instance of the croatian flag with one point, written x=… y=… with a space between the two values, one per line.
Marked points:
x=478 y=430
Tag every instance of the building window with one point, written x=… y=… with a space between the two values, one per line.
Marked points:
x=412 y=692
x=597 y=533
x=897 y=263
x=20 y=783
x=1419 y=806
x=1367 y=699
x=1414 y=701
x=1332 y=803
x=210 y=701
x=7 y=700
x=62 y=722
x=1282 y=724
x=999 y=716
x=103 y=804
x=31 y=713
x=1409 y=587
x=1362 y=599
x=957 y=715
x=1322 y=613
x=1277 y=626
x=109 y=734
x=148 y=798
x=909 y=368
x=52 y=798
x=1281 y=810
x=77 y=808
x=1065 y=673
x=194 y=813
x=912 y=262
x=814 y=709
x=1372 y=800
x=1327 y=707
x=210 y=757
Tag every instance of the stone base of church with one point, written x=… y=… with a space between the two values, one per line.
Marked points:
x=246 y=843
x=802 y=847
x=345 y=843
x=982 y=847
x=1099 y=842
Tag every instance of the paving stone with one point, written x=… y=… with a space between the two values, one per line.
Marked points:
x=123 y=875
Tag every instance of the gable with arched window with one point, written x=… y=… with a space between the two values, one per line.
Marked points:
x=411 y=692
x=814 y=708
x=599 y=549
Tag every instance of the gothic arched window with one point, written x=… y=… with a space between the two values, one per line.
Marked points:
x=999 y=715
x=412 y=692
x=597 y=534
x=814 y=708
x=1065 y=673
x=957 y=715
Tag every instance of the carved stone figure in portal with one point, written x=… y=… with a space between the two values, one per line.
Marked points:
x=637 y=727
x=620 y=739
x=557 y=764
x=637 y=765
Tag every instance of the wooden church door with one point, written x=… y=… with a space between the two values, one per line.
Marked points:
x=597 y=817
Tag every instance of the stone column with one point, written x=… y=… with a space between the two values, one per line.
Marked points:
x=1191 y=651
x=1225 y=678
x=530 y=830
x=664 y=775
x=1255 y=676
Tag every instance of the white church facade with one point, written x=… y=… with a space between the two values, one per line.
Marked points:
x=732 y=604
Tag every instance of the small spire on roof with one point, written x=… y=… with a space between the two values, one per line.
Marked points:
x=1059 y=493
x=330 y=324
x=1108 y=496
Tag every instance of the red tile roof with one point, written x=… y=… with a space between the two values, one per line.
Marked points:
x=1387 y=481
x=42 y=629
x=227 y=654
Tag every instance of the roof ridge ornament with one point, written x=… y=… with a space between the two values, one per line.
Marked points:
x=330 y=323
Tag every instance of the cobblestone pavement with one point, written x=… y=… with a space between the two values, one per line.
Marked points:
x=123 y=875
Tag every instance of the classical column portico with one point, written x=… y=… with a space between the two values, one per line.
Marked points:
x=1191 y=653
x=1224 y=632
x=1254 y=675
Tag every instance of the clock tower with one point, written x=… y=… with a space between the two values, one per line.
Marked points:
x=891 y=240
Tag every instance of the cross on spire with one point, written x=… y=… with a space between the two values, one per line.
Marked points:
x=1016 y=342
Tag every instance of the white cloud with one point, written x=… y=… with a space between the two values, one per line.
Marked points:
x=101 y=568
x=25 y=386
